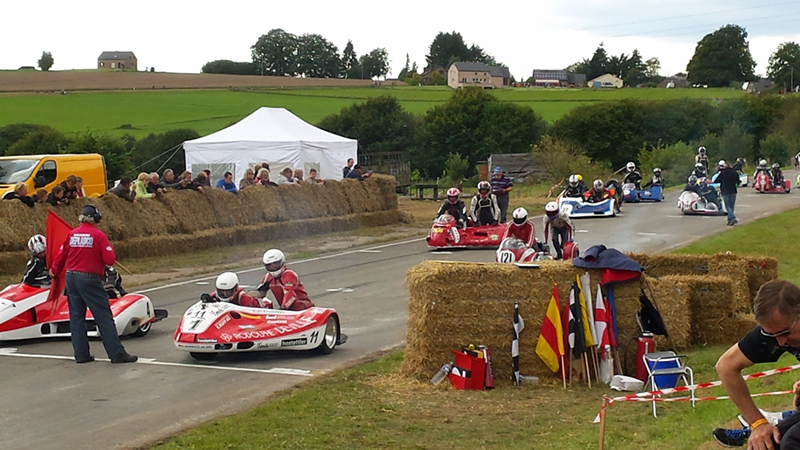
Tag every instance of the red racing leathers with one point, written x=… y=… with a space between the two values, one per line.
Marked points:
x=596 y=196
x=242 y=299
x=523 y=232
x=288 y=290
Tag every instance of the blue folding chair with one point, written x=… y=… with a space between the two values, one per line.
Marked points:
x=666 y=370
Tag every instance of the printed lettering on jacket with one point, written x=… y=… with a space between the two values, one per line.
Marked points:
x=81 y=240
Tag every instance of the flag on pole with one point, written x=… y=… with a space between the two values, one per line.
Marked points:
x=56 y=233
x=586 y=290
x=519 y=325
x=577 y=338
x=603 y=334
x=581 y=311
x=612 y=309
x=612 y=340
x=550 y=346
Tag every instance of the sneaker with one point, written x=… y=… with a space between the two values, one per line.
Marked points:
x=125 y=357
x=731 y=438
x=734 y=221
x=84 y=360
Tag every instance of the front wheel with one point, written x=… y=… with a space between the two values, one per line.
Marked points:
x=143 y=330
x=203 y=356
x=330 y=337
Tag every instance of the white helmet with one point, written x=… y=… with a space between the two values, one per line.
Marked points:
x=657 y=170
x=551 y=207
x=520 y=215
x=227 y=284
x=722 y=163
x=573 y=180
x=631 y=166
x=763 y=163
x=598 y=184
x=37 y=244
x=274 y=261
x=701 y=150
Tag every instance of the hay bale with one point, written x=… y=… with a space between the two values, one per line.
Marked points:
x=759 y=271
x=735 y=269
x=264 y=203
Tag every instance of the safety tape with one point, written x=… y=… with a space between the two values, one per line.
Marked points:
x=698 y=399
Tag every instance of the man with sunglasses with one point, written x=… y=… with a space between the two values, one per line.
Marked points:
x=777 y=310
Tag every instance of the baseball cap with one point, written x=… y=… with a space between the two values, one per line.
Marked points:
x=497 y=169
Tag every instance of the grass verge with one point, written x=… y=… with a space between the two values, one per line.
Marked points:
x=370 y=406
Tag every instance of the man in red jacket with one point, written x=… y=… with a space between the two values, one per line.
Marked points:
x=84 y=255
x=521 y=227
x=284 y=284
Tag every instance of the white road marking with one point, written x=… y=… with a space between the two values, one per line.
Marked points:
x=738 y=205
x=340 y=290
x=581 y=231
x=676 y=217
x=443 y=253
x=369 y=251
x=153 y=362
x=202 y=283
x=648 y=234
x=254 y=269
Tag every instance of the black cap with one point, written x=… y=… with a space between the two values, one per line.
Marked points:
x=89 y=211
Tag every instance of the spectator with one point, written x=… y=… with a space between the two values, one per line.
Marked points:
x=187 y=183
x=168 y=181
x=70 y=191
x=298 y=175
x=123 y=190
x=207 y=179
x=79 y=187
x=57 y=197
x=256 y=168
x=153 y=186
x=263 y=178
x=728 y=179
x=312 y=177
x=356 y=173
x=265 y=166
x=248 y=180
x=286 y=176
x=140 y=186
x=227 y=183
x=501 y=186
x=20 y=193
x=41 y=196
x=348 y=168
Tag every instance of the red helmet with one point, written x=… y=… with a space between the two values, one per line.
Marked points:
x=483 y=188
x=452 y=195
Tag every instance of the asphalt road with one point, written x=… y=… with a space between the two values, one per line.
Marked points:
x=49 y=402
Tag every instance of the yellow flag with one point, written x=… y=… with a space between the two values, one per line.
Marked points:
x=587 y=329
x=551 y=340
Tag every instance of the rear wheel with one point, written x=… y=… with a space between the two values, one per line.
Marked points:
x=330 y=337
x=203 y=356
x=143 y=330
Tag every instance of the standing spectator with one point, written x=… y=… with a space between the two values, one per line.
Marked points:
x=57 y=197
x=187 y=183
x=69 y=185
x=501 y=186
x=84 y=255
x=153 y=186
x=286 y=176
x=256 y=168
x=41 y=196
x=312 y=177
x=263 y=178
x=79 y=187
x=298 y=175
x=20 y=193
x=168 y=181
x=728 y=179
x=356 y=173
x=123 y=190
x=264 y=166
x=348 y=168
x=227 y=183
x=248 y=180
x=207 y=179
x=140 y=186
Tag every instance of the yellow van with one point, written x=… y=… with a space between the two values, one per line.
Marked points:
x=46 y=171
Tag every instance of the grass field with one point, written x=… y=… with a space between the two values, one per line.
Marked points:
x=370 y=406
x=210 y=110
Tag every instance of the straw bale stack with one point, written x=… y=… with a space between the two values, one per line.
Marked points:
x=300 y=201
x=358 y=195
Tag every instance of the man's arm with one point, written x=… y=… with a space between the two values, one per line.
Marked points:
x=546 y=229
x=472 y=207
x=107 y=251
x=495 y=209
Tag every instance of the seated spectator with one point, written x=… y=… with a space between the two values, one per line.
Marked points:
x=356 y=173
x=41 y=196
x=227 y=183
x=298 y=175
x=312 y=177
x=256 y=168
x=79 y=187
x=57 y=197
x=140 y=186
x=263 y=178
x=187 y=183
x=153 y=186
x=207 y=179
x=20 y=193
x=202 y=179
x=70 y=191
x=248 y=180
x=168 y=180
x=123 y=190
x=286 y=176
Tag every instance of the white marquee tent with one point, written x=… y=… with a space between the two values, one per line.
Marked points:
x=274 y=136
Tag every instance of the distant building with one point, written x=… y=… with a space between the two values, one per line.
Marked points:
x=462 y=74
x=427 y=75
x=558 y=78
x=606 y=81
x=117 y=60
x=757 y=87
x=675 y=81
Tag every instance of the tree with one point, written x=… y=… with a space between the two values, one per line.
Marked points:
x=149 y=152
x=39 y=142
x=722 y=58
x=782 y=64
x=406 y=69
x=349 y=59
x=594 y=67
x=225 y=66
x=46 y=61
x=652 y=65
x=375 y=63
x=14 y=132
x=445 y=47
x=380 y=124
x=116 y=156
x=275 y=53
x=317 y=57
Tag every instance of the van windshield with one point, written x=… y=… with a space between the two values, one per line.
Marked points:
x=15 y=170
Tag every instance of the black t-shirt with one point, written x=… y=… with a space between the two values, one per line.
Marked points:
x=762 y=349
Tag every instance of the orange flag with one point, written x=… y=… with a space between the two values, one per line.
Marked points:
x=550 y=346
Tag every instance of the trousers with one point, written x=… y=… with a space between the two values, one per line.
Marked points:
x=87 y=291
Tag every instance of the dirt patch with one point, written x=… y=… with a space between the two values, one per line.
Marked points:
x=87 y=81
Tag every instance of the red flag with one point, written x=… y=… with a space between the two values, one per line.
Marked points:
x=601 y=324
x=612 y=338
x=550 y=346
x=56 y=235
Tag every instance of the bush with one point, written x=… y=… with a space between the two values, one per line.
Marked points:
x=117 y=157
x=224 y=66
x=149 y=152
x=735 y=142
x=561 y=160
x=456 y=170
x=14 y=132
x=676 y=162
x=43 y=141
x=778 y=148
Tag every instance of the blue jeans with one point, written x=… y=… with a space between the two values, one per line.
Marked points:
x=87 y=290
x=730 y=203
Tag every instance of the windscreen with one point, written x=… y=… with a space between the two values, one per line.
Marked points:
x=15 y=170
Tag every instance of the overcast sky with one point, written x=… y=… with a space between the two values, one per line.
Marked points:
x=180 y=36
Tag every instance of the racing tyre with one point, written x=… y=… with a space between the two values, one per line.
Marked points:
x=203 y=356
x=330 y=337
x=142 y=330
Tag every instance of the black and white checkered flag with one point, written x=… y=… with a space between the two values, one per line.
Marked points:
x=519 y=325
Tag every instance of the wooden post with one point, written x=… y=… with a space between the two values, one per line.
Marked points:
x=563 y=373
x=588 y=372
x=603 y=422
x=123 y=268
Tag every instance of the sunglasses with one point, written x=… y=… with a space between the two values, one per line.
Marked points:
x=780 y=333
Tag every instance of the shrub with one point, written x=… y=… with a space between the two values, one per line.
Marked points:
x=676 y=162
x=778 y=148
x=456 y=170
x=39 y=142
x=561 y=160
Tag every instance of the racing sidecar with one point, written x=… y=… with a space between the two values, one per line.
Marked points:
x=763 y=184
x=743 y=179
x=26 y=313
x=445 y=234
x=577 y=207
x=690 y=203
x=209 y=328
x=632 y=195
x=514 y=250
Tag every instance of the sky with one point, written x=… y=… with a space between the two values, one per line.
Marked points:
x=180 y=36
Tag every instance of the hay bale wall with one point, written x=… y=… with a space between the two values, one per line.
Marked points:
x=152 y=227
x=455 y=304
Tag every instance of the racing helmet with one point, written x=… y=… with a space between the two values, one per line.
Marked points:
x=573 y=180
x=700 y=166
x=598 y=184
x=722 y=163
x=740 y=160
x=520 y=215
x=703 y=181
x=227 y=284
x=483 y=188
x=274 y=261
x=37 y=244
x=452 y=195
x=551 y=208
x=580 y=177
x=762 y=163
x=692 y=180
x=657 y=171
x=701 y=151
x=630 y=166
x=776 y=166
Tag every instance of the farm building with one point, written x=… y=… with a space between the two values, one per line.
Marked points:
x=605 y=81
x=558 y=78
x=462 y=74
x=117 y=60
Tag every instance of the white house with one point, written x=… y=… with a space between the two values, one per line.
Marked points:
x=605 y=81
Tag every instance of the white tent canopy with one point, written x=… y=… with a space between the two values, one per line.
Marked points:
x=274 y=136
